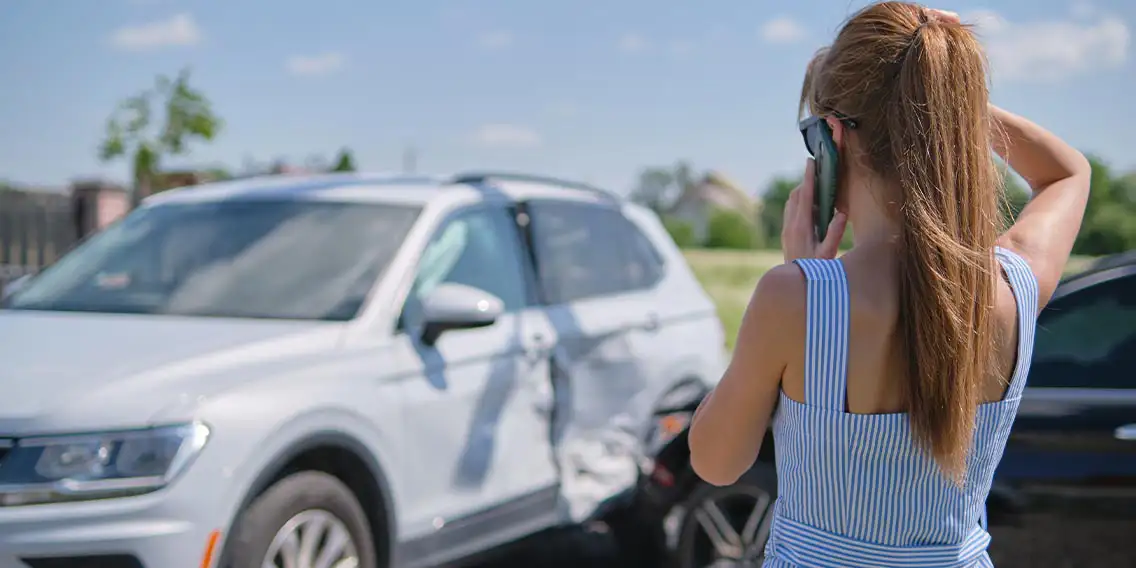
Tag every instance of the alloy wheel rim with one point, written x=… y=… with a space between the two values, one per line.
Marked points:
x=312 y=539
x=731 y=529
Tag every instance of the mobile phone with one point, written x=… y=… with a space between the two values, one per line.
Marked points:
x=819 y=142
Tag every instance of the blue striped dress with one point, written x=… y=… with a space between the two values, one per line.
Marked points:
x=853 y=489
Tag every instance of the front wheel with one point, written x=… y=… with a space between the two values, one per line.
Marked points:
x=727 y=527
x=308 y=519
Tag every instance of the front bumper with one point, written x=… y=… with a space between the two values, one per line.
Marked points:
x=166 y=529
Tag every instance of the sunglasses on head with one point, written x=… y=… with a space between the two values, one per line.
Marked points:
x=813 y=126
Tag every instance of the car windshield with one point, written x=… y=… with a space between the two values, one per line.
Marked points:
x=295 y=259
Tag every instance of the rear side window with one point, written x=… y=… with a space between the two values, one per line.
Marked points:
x=589 y=250
x=1087 y=339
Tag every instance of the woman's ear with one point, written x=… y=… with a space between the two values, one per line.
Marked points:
x=837 y=128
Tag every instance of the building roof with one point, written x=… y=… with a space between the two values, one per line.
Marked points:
x=719 y=192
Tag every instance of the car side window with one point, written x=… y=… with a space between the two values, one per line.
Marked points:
x=479 y=248
x=1088 y=338
x=643 y=265
x=589 y=250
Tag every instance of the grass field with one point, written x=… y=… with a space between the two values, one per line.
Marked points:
x=729 y=278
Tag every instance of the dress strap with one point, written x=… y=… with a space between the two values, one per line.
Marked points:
x=1023 y=283
x=826 y=333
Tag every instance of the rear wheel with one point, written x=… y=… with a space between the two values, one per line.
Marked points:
x=727 y=527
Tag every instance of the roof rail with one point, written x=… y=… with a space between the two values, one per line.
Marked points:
x=1123 y=262
x=482 y=177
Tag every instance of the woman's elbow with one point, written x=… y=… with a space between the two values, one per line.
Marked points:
x=711 y=469
x=717 y=478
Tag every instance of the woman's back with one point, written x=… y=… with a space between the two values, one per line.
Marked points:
x=855 y=487
x=877 y=371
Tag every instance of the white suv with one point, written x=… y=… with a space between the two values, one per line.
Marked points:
x=340 y=371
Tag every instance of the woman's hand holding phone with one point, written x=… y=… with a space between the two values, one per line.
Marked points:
x=798 y=235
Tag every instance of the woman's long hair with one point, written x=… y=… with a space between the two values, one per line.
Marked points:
x=916 y=86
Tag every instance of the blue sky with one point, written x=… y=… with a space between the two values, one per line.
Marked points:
x=587 y=89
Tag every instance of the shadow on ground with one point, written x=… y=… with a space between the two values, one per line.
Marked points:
x=1040 y=541
x=570 y=547
x=1049 y=541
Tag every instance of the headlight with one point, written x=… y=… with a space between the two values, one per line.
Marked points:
x=96 y=466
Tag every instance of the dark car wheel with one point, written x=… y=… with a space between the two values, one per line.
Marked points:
x=726 y=527
x=306 y=519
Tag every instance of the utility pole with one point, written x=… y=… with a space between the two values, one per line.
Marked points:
x=409 y=160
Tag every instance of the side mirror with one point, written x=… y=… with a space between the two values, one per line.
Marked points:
x=457 y=306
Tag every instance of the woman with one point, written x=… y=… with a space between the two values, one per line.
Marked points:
x=896 y=370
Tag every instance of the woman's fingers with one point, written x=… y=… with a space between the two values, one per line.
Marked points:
x=789 y=217
x=805 y=201
x=798 y=237
x=832 y=238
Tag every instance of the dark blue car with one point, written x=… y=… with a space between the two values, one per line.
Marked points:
x=1067 y=482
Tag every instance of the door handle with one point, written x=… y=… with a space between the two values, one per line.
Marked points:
x=537 y=347
x=651 y=323
x=1126 y=433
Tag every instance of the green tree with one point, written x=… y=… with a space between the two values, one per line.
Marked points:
x=1125 y=188
x=681 y=232
x=344 y=162
x=730 y=230
x=684 y=177
x=654 y=189
x=1110 y=230
x=1014 y=197
x=659 y=187
x=132 y=129
x=773 y=209
x=1105 y=229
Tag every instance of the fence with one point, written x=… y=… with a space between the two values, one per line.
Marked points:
x=35 y=229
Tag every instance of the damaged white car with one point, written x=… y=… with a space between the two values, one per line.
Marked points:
x=342 y=371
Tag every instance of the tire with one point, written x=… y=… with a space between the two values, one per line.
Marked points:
x=748 y=508
x=297 y=504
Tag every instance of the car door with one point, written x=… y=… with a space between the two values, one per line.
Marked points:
x=596 y=322
x=476 y=420
x=1073 y=447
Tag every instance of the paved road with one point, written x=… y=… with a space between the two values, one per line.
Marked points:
x=1040 y=542
x=592 y=547
x=1052 y=542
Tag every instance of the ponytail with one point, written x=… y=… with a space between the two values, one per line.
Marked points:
x=916 y=85
x=940 y=145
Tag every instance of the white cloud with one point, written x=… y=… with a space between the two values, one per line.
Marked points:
x=782 y=29
x=1051 y=50
x=321 y=64
x=633 y=43
x=502 y=135
x=495 y=40
x=179 y=30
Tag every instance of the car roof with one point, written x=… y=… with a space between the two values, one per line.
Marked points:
x=1114 y=260
x=386 y=188
x=1108 y=268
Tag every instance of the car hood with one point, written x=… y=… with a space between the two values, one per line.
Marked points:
x=70 y=371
